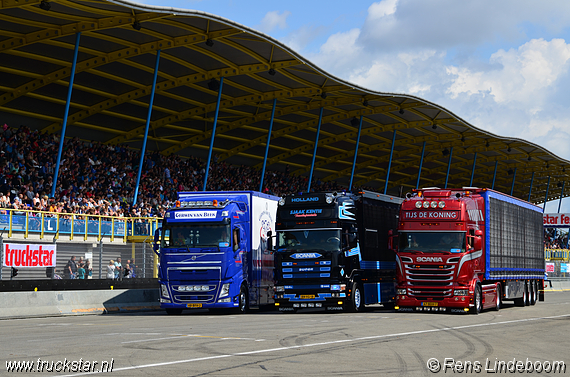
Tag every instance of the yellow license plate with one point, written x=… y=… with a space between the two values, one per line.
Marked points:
x=430 y=303
x=307 y=296
x=193 y=305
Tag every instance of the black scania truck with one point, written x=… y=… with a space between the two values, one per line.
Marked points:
x=332 y=251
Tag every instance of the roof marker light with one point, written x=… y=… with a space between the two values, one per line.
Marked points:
x=418 y=204
x=441 y=204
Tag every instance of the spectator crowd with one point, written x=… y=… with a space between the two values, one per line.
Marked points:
x=99 y=179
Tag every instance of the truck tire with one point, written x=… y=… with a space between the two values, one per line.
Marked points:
x=533 y=292
x=243 y=301
x=477 y=300
x=522 y=301
x=356 y=303
x=527 y=293
x=173 y=311
x=499 y=299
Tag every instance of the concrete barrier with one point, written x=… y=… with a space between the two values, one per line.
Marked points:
x=558 y=284
x=55 y=303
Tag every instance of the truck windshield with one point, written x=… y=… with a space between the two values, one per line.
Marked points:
x=196 y=235
x=432 y=242
x=305 y=240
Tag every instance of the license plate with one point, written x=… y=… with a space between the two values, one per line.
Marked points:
x=193 y=305
x=307 y=296
x=430 y=303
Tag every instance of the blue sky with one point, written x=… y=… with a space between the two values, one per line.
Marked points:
x=503 y=66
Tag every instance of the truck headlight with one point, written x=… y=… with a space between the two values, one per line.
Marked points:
x=461 y=292
x=401 y=291
x=164 y=291
x=338 y=287
x=279 y=288
x=225 y=290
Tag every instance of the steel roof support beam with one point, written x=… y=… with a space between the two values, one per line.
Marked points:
x=513 y=184
x=494 y=175
x=546 y=197
x=213 y=132
x=421 y=164
x=315 y=150
x=355 y=153
x=530 y=189
x=390 y=162
x=141 y=161
x=448 y=166
x=66 y=113
x=473 y=169
x=267 y=144
x=561 y=195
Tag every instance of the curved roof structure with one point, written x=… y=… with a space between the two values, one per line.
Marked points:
x=118 y=46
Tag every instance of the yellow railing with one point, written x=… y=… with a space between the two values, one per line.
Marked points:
x=58 y=224
x=556 y=254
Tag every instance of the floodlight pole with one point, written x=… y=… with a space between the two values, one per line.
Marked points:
x=421 y=164
x=315 y=150
x=448 y=166
x=530 y=189
x=267 y=144
x=213 y=132
x=355 y=154
x=390 y=162
x=65 y=114
x=473 y=169
x=513 y=184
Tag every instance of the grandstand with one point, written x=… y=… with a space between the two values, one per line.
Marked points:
x=211 y=104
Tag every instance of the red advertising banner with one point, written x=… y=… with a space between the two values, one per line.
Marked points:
x=28 y=255
x=549 y=267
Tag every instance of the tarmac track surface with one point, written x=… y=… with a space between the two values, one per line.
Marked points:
x=377 y=342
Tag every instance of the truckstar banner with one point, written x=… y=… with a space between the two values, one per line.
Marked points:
x=28 y=255
x=556 y=220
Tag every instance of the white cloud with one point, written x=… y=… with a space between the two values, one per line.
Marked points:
x=273 y=20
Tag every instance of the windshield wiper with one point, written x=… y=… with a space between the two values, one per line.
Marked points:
x=440 y=251
x=413 y=251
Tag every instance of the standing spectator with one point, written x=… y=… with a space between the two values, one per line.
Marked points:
x=133 y=269
x=118 y=269
x=88 y=269
x=111 y=270
x=71 y=268
x=81 y=271
x=128 y=272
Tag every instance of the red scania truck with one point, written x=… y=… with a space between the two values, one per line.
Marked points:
x=465 y=250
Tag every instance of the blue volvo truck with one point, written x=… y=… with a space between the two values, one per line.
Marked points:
x=332 y=251
x=213 y=251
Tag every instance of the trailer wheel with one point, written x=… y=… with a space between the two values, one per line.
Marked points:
x=477 y=301
x=356 y=304
x=173 y=311
x=523 y=301
x=527 y=294
x=498 y=300
x=243 y=301
x=533 y=292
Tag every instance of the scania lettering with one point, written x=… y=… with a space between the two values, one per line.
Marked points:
x=465 y=250
x=213 y=251
x=332 y=251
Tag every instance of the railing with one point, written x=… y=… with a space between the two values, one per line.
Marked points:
x=74 y=225
x=556 y=254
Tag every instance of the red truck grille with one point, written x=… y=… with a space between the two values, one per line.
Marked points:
x=429 y=281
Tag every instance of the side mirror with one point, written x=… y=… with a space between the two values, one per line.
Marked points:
x=477 y=242
x=270 y=241
x=156 y=241
x=392 y=241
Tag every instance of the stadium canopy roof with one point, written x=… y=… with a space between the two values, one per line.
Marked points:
x=113 y=81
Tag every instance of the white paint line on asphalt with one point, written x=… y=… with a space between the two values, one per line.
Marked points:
x=298 y=347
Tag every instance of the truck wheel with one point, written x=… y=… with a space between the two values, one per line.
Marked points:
x=243 y=301
x=523 y=301
x=477 y=301
x=498 y=300
x=356 y=304
x=173 y=311
x=527 y=294
x=533 y=292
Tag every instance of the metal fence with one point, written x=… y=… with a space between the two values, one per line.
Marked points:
x=140 y=255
